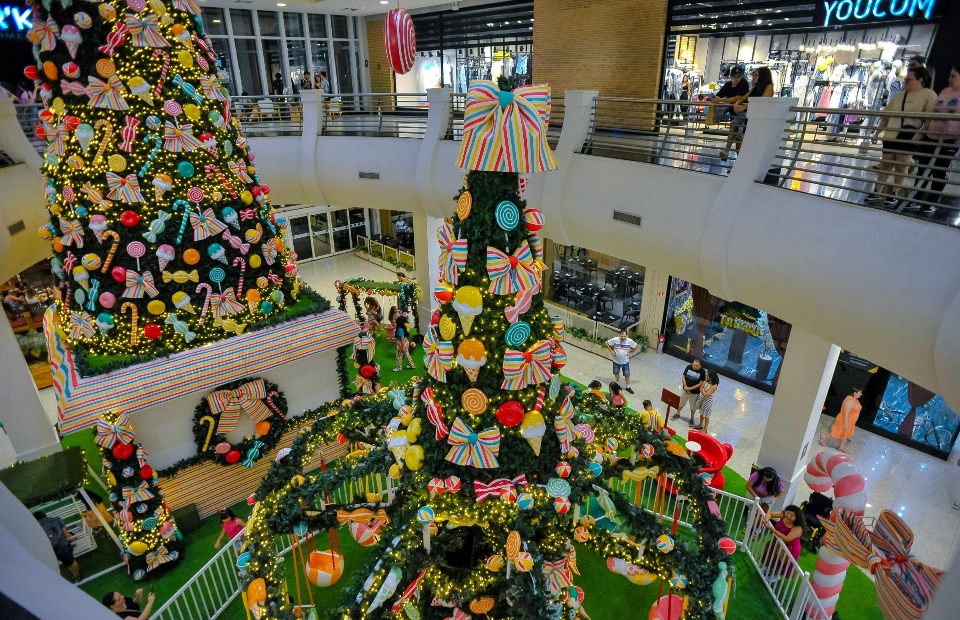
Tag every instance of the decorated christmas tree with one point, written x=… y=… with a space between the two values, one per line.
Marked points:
x=496 y=462
x=152 y=543
x=163 y=234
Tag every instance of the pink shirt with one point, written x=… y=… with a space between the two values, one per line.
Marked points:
x=231 y=527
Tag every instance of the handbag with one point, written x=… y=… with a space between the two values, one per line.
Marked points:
x=911 y=134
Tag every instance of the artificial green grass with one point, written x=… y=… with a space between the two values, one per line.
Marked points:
x=386 y=356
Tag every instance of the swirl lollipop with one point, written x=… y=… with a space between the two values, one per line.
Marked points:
x=507 y=215
x=135 y=249
x=217 y=275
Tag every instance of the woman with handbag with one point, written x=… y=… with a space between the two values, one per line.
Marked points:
x=899 y=135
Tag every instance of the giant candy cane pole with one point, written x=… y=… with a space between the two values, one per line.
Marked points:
x=837 y=470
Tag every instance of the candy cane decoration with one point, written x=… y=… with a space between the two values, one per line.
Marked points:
x=110 y=234
x=186 y=215
x=825 y=470
x=157 y=143
x=269 y=400
x=206 y=301
x=66 y=296
x=107 y=133
x=157 y=53
x=133 y=321
x=243 y=269
x=226 y=111
x=212 y=170
x=206 y=442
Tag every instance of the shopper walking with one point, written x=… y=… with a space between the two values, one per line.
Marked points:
x=59 y=538
x=403 y=342
x=651 y=418
x=231 y=525
x=939 y=142
x=846 y=421
x=691 y=381
x=899 y=134
x=127 y=607
x=622 y=347
x=705 y=404
x=324 y=83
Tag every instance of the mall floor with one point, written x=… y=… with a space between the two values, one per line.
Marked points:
x=914 y=484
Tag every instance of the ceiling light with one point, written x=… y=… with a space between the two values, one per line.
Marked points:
x=281 y=4
x=384 y=1
x=216 y=21
x=759 y=21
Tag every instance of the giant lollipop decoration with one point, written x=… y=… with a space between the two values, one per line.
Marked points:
x=136 y=249
x=400 y=41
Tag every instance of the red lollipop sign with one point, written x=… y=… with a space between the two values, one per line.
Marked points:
x=400 y=41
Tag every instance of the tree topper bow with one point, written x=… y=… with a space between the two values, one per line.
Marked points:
x=110 y=434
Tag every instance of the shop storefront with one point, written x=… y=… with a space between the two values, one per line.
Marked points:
x=472 y=43
x=15 y=49
x=834 y=54
x=729 y=337
x=25 y=298
x=318 y=232
x=894 y=407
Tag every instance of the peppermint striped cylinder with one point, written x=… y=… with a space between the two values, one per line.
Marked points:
x=400 y=41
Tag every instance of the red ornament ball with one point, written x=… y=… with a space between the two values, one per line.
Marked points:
x=255 y=190
x=71 y=122
x=435 y=317
x=146 y=472
x=342 y=439
x=152 y=331
x=40 y=132
x=119 y=274
x=233 y=456
x=400 y=41
x=367 y=371
x=727 y=545
x=122 y=451
x=510 y=413
x=129 y=218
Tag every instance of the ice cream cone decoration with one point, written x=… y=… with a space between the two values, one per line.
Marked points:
x=532 y=428
x=161 y=185
x=472 y=355
x=468 y=302
x=139 y=87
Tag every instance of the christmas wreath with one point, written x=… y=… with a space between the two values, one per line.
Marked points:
x=219 y=412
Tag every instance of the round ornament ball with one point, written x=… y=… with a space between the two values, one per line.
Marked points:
x=266 y=307
x=510 y=413
x=191 y=256
x=232 y=456
x=139 y=574
x=436 y=486
x=263 y=427
x=561 y=505
x=678 y=581
x=525 y=501
x=152 y=331
x=524 y=561
x=727 y=545
x=122 y=451
x=222 y=448
x=255 y=261
x=156 y=307
x=646 y=451
x=365 y=535
x=443 y=292
x=452 y=484
x=146 y=472
x=119 y=274
x=107 y=299
x=426 y=515
x=581 y=533
x=185 y=169
x=324 y=568
x=563 y=469
x=367 y=371
x=246 y=197
x=664 y=543
x=595 y=468
x=400 y=41
x=129 y=218
x=138 y=547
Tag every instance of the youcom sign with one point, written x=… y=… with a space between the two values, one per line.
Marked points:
x=14 y=21
x=856 y=12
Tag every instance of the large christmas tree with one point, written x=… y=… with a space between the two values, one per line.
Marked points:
x=163 y=234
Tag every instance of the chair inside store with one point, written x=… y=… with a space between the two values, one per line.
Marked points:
x=815 y=509
x=602 y=288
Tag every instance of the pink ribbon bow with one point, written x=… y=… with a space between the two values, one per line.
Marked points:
x=237 y=243
x=225 y=303
x=530 y=367
x=72 y=232
x=115 y=39
x=125 y=188
x=138 y=285
x=187 y=5
x=211 y=87
x=144 y=30
x=58 y=140
x=44 y=33
x=74 y=88
x=239 y=168
x=274 y=278
x=498 y=487
x=129 y=133
x=205 y=224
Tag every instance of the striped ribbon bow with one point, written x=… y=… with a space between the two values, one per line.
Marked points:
x=361 y=515
x=179 y=138
x=72 y=232
x=435 y=414
x=506 y=131
x=498 y=487
x=109 y=435
x=253 y=454
x=563 y=424
x=363 y=384
x=225 y=303
x=229 y=403
x=81 y=325
x=126 y=519
x=106 y=93
x=160 y=556
x=437 y=355
x=125 y=188
x=211 y=88
x=145 y=30
x=205 y=224
x=530 y=367
x=139 y=284
x=58 y=140
x=239 y=168
x=74 y=88
x=472 y=449
x=364 y=343
x=905 y=586
x=453 y=253
x=458 y=614
x=188 y=6
x=237 y=243
x=44 y=33
x=511 y=274
x=557 y=575
x=640 y=473
x=139 y=493
x=249 y=214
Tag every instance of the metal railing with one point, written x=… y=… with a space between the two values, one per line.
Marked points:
x=849 y=155
x=208 y=592
x=458 y=101
x=268 y=115
x=29 y=119
x=381 y=115
x=664 y=132
x=381 y=251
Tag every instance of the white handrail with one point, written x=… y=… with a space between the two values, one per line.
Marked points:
x=220 y=585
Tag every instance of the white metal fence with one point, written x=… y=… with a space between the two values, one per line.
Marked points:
x=385 y=253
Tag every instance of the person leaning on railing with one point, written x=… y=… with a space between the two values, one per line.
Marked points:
x=939 y=142
x=730 y=93
x=899 y=135
x=762 y=87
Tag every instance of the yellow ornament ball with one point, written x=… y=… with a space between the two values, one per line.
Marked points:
x=255 y=261
x=495 y=563
x=138 y=547
x=246 y=197
x=192 y=111
x=156 y=307
x=185 y=59
x=413 y=457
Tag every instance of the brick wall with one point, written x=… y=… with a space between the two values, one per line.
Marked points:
x=381 y=76
x=614 y=46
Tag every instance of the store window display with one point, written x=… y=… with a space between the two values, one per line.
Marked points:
x=25 y=299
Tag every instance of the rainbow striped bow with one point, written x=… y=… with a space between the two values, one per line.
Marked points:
x=106 y=93
x=361 y=515
x=179 y=138
x=138 y=285
x=225 y=303
x=72 y=232
x=229 y=403
x=139 y=493
x=640 y=473
x=530 y=367
x=205 y=224
x=125 y=188
x=253 y=454
x=211 y=88
x=557 y=575
x=144 y=31
x=160 y=556
x=511 y=274
x=188 y=6
x=269 y=250
x=44 y=33
x=498 y=487
x=364 y=385
x=472 y=449
x=109 y=435
x=365 y=343
x=58 y=140
x=506 y=131
x=453 y=253
x=563 y=424
x=239 y=168
x=437 y=355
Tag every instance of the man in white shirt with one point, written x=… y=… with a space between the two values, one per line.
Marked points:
x=622 y=348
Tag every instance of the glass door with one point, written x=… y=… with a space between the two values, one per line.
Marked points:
x=320 y=234
x=340 y=221
x=358 y=224
x=300 y=234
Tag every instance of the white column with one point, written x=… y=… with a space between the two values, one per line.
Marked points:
x=947 y=596
x=21 y=411
x=653 y=303
x=789 y=436
x=427 y=251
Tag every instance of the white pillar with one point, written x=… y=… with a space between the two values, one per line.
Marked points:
x=653 y=303
x=427 y=250
x=947 y=596
x=789 y=436
x=21 y=411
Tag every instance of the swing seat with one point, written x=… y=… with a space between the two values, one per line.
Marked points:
x=324 y=568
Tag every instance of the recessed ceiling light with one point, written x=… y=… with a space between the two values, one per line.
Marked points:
x=384 y=1
x=281 y=4
x=216 y=21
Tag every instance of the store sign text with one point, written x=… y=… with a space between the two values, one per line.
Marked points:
x=14 y=19
x=839 y=12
